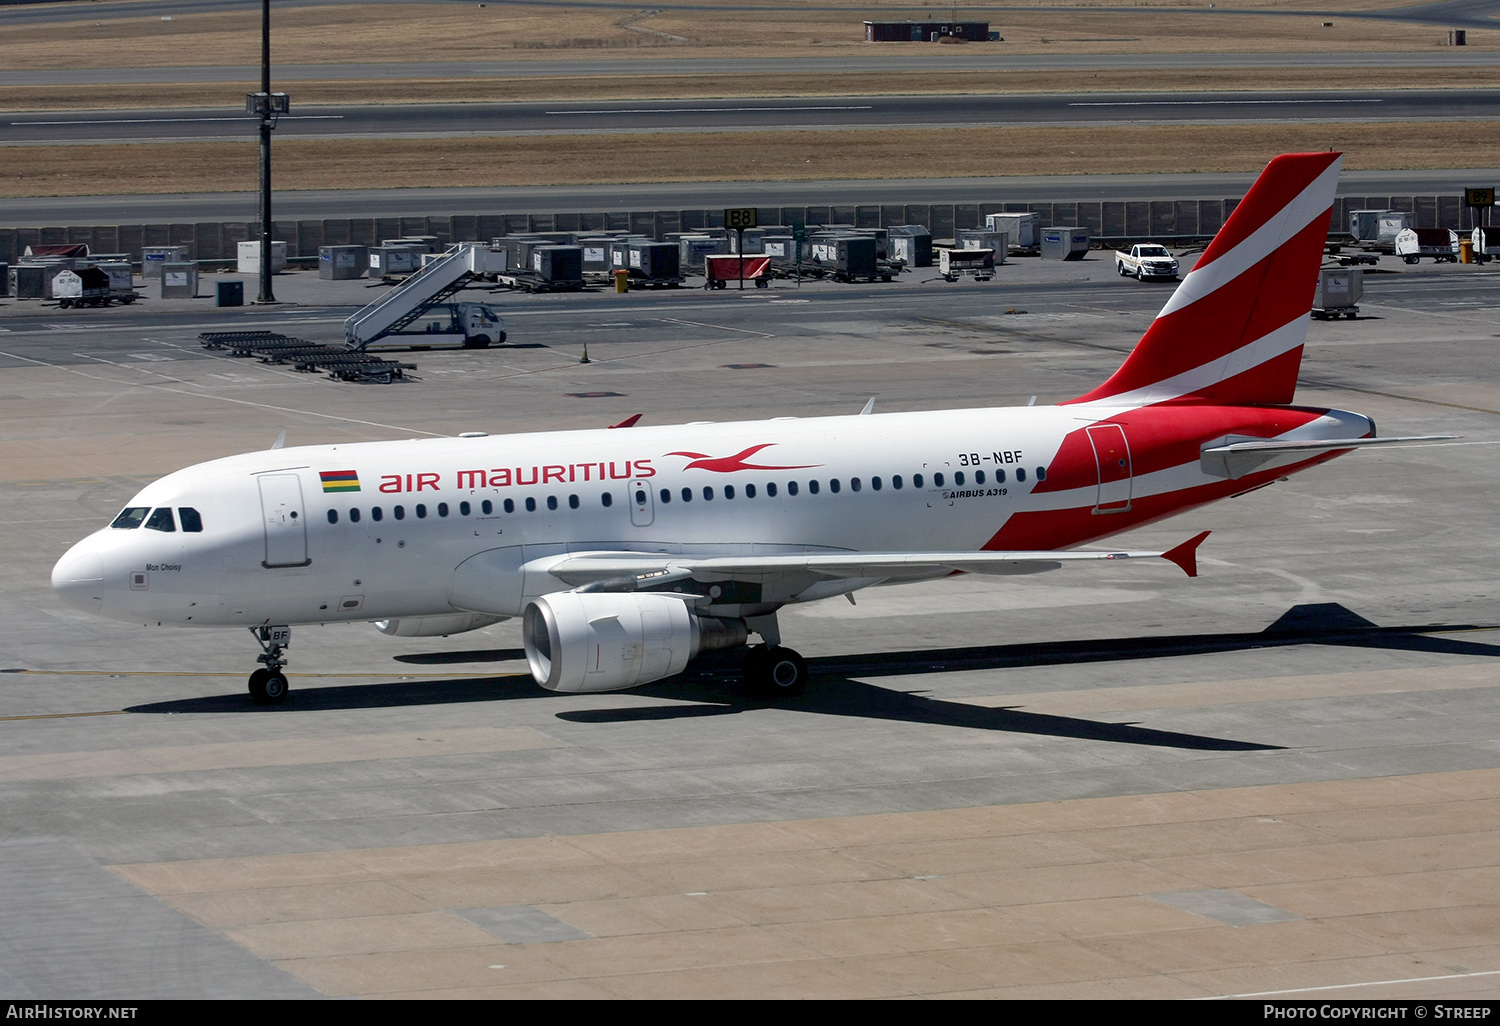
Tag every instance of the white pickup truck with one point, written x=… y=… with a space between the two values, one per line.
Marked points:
x=1146 y=260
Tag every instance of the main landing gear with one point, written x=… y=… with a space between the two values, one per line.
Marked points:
x=773 y=670
x=268 y=685
x=769 y=668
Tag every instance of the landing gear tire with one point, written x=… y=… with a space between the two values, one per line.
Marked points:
x=775 y=671
x=268 y=687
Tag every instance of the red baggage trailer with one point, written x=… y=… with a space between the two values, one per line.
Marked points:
x=721 y=268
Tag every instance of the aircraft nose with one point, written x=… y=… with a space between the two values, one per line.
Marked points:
x=78 y=578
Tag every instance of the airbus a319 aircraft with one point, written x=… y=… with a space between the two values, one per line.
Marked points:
x=628 y=552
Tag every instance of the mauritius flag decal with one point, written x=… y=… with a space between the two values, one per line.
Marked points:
x=339 y=480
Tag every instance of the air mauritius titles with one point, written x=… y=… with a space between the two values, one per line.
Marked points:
x=506 y=477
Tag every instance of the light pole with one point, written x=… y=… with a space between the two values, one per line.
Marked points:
x=268 y=106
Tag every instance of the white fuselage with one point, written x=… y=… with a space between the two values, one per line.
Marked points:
x=385 y=530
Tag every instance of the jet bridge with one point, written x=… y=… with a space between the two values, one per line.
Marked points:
x=396 y=311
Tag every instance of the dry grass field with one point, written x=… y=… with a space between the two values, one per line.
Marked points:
x=390 y=33
x=568 y=160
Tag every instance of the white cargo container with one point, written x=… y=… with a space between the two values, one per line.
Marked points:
x=1024 y=230
x=249 y=257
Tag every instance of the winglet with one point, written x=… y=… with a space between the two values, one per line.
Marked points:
x=627 y=422
x=1186 y=554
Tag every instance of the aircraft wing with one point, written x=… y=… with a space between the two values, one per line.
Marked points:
x=627 y=570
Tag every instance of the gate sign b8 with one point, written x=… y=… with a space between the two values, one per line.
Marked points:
x=738 y=218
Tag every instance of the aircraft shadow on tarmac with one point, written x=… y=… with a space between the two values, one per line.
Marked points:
x=711 y=687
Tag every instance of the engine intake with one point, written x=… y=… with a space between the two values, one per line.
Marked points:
x=585 y=642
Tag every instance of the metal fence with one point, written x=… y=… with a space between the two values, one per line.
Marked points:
x=1106 y=220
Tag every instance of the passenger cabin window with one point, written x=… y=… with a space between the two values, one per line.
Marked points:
x=161 y=520
x=131 y=517
x=191 y=521
x=333 y=516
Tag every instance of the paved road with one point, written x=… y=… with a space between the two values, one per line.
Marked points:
x=882 y=112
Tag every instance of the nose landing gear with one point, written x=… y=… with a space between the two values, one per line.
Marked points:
x=268 y=685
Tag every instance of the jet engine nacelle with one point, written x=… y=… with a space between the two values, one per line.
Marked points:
x=604 y=641
x=436 y=626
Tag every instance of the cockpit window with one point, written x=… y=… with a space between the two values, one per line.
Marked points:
x=131 y=517
x=191 y=521
x=161 y=520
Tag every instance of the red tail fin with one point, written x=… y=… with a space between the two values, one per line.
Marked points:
x=1233 y=331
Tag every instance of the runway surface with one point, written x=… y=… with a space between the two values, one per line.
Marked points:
x=759 y=114
x=1278 y=778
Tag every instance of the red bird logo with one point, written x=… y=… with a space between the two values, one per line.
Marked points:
x=729 y=464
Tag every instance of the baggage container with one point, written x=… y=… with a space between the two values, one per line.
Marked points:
x=393 y=261
x=848 y=258
x=595 y=249
x=29 y=281
x=692 y=249
x=1338 y=294
x=179 y=280
x=558 y=265
x=1064 y=243
x=997 y=242
x=1024 y=230
x=343 y=263
x=658 y=263
x=1486 y=241
x=152 y=257
x=248 y=262
x=1364 y=225
x=911 y=245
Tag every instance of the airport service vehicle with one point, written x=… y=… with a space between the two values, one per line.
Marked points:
x=627 y=552
x=1412 y=244
x=1146 y=260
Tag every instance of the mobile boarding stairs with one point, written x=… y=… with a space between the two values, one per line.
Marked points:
x=391 y=317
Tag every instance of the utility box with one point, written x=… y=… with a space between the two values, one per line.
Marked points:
x=1024 y=230
x=152 y=257
x=249 y=257
x=1338 y=294
x=179 y=280
x=342 y=263
x=229 y=293
x=1064 y=243
x=911 y=245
